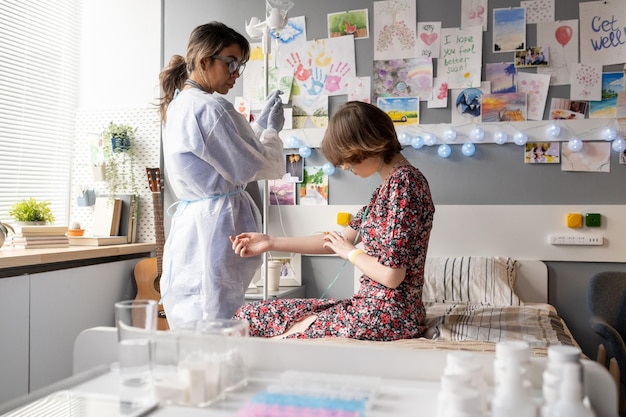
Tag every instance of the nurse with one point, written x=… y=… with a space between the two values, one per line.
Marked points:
x=210 y=153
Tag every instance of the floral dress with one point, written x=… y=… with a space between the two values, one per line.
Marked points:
x=395 y=228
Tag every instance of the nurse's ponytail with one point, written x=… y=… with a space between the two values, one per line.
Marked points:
x=172 y=78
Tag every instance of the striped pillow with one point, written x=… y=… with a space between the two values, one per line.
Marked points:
x=471 y=280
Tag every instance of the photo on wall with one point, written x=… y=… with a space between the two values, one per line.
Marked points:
x=314 y=187
x=542 y=153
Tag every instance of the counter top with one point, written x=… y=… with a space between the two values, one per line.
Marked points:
x=18 y=258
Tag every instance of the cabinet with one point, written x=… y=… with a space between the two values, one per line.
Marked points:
x=42 y=313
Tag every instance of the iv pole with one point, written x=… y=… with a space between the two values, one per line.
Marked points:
x=276 y=19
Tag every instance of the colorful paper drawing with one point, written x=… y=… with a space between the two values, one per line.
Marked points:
x=288 y=113
x=428 y=39
x=509 y=29
x=538 y=11
x=602 y=32
x=535 y=56
x=394 y=29
x=359 y=89
x=561 y=37
x=294 y=168
x=503 y=77
x=254 y=78
x=403 y=111
x=504 y=107
x=620 y=110
x=536 y=87
x=542 y=153
x=294 y=32
x=474 y=13
x=594 y=157
x=403 y=78
x=622 y=158
x=566 y=109
x=468 y=103
x=353 y=23
x=320 y=67
x=309 y=111
x=460 y=59
x=585 y=81
x=314 y=187
x=242 y=105
x=612 y=85
x=282 y=193
x=440 y=93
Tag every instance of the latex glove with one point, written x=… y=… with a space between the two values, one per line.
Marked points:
x=267 y=108
x=276 y=118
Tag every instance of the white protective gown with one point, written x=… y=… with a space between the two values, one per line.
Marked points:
x=210 y=153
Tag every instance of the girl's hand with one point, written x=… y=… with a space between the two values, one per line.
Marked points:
x=250 y=244
x=338 y=244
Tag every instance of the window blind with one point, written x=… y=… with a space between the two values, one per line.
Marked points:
x=39 y=64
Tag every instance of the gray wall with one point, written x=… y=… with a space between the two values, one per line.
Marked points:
x=495 y=175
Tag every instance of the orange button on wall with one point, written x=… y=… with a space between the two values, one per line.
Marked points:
x=574 y=220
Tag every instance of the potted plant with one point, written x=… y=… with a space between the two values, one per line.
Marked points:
x=118 y=150
x=30 y=210
x=4 y=232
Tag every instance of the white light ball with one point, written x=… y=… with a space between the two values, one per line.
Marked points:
x=500 y=137
x=444 y=151
x=609 y=133
x=328 y=168
x=417 y=142
x=619 y=145
x=430 y=139
x=468 y=149
x=554 y=130
x=575 y=144
x=304 y=151
x=520 y=138
x=405 y=139
x=293 y=142
x=477 y=134
x=449 y=135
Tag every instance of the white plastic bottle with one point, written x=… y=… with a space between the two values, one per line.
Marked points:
x=570 y=401
x=511 y=353
x=464 y=363
x=558 y=356
x=512 y=397
x=465 y=403
x=450 y=385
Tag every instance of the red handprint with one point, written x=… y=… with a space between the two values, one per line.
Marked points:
x=333 y=82
x=301 y=72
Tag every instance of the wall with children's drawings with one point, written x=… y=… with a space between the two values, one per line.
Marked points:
x=496 y=175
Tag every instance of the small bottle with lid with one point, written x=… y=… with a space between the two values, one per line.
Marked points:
x=558 y=356
x=570 y=401
x=465 y=403
x=511 y=353
x=450 y=385
x=512 y=397
x=464 y=363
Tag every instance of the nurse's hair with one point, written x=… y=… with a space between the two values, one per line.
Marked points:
x=204 y=42
x=358 y=131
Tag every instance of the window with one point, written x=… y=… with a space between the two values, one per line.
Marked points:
x=39 y=63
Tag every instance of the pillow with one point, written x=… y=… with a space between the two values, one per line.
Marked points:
x=471 y=280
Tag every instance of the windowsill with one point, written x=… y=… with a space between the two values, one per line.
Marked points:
x=15 y=261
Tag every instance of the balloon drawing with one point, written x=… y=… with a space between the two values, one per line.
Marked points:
x=563 y=35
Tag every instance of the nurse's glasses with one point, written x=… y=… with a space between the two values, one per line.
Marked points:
x=233 y=65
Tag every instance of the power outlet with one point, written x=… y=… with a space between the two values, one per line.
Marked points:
x=576 y=240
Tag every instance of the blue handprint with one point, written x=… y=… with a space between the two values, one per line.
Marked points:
x=317 y=82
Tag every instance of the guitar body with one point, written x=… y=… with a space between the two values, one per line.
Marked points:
x=146 y=276
x=148 y=271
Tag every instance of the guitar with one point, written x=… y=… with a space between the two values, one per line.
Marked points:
x=148 y=271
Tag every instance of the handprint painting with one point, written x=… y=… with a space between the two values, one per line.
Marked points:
x=320 y=67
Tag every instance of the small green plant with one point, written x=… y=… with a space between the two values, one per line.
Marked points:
x=32 y=210
x=119 y=158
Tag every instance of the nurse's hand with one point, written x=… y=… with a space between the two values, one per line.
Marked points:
x=250 y=244
x=267 y=108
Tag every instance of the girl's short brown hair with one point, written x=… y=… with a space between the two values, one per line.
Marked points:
x=358 y=131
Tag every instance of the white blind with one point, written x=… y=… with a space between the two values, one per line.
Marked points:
x=39 y=62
